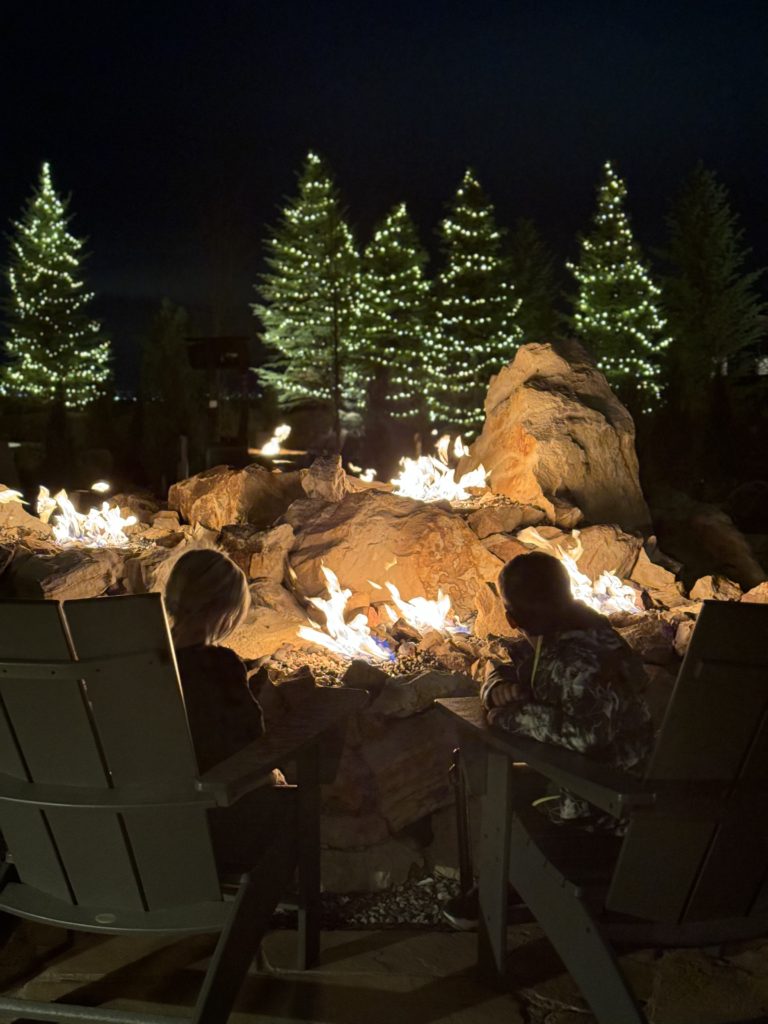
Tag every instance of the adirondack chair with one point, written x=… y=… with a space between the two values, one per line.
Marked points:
x=692 y=868
x=102 y=807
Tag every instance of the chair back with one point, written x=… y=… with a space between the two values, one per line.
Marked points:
x=702 y=853
x=98 y=798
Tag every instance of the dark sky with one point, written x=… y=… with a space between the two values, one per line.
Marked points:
x=178 y=127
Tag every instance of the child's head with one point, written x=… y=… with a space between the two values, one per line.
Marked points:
x=536 y=592
x=206 y=597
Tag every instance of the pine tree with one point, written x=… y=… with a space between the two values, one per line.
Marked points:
x=54 y=346
x=475 y=328
x=616 y=312
x=714 y=310
x=308 y=298
x=392 y=312
x=532 y=270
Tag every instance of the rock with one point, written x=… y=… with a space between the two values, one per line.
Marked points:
x=442 y=854
x=715 y=588
x=68 y=575
x=353 y=791
x=325 y=479
x=659 y=583
x=16 y=524
x=757 y=595
x=661 y=682
x=651 y=637
x=747 y=505
x=261 y=554
x=352 y=831
x=273 y=619
x=683 y=636
x=362 y=676
x=556 y=434
x=401 y=698
x=491 y=617
x=375 y=536
x=503 y=518
x=142 y=506
x=409 y=760
x=693 y=987
x=371 y=870
x=7 y=552
x=223 y=496
x=148 y=571
x=503 y=547
x=596 y=549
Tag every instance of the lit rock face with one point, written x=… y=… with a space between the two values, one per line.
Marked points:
x=556 y=437
x=222 y=496
x=377 y=536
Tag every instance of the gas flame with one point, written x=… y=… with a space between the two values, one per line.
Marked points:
x=7 y=495
x=607 y=594
x=424 y=614
x=274 y=444
x=351 y=639
x=97 y=528
x=431 y=479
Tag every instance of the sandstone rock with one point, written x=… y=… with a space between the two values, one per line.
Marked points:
x=442 y=854
x=65 y=576
x=715 y=588
x=400 y=698
x=362 y=676
x=659 y=583
x=371 y=870
x=554 y=433
x=409 y=761
x=142 y=506
x=503 y=547
x=683 y=636
x=375 y=536
x=7 y=552
x=16 y=524
x=503 y=518
x=166 y=518
x=651 y=637
x=596 y=549
x=325 y=479
x=261 y=554
x=757 y=595
x=352 y=831
x=353 y=791
x=491 y=617
x=148 y=571
x=223 y=496
x=272 y=620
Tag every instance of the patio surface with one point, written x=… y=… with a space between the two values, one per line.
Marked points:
x=385 y=977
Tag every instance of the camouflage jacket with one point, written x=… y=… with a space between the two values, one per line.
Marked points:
x=586 y=695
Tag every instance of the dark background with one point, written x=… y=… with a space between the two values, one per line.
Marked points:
x=178 y=127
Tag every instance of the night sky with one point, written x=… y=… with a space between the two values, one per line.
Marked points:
x=178 y=127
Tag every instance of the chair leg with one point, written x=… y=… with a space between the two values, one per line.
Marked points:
x=493 y=867
x=257 y=897
x=463 y=827
x=569 y=926
x=308 y=772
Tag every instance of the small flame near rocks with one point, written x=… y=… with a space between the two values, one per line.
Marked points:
x=274 y=445
x=97 y=528
x=431 y=479
x=606 y=595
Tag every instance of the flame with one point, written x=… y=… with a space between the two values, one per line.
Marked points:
x=424 y=614
x=8 y=495
x=98 y=528
x=366 y=475
x=274 y=444
x=607 y=594
x=432 y=479
x=351 y=639
x=101 y=487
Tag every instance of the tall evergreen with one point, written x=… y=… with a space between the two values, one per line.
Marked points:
x=532 y=270
x=392 y=312
x=308 y=300
x=475 y=328
x=616 y=311
x=714 y=310
x=54 y=346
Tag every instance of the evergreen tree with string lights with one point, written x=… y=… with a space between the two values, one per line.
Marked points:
x=55 y=348
x=532 y=268
x=475 y=329
x=308 y=301
x=616 y=312
x=392 y=311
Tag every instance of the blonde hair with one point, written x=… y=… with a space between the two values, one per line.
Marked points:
x=206 y=597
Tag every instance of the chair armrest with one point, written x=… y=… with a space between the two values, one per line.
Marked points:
x=613 y=791
x=288 y=739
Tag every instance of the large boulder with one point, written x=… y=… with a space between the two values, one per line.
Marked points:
x=273 y=619
x=372 y=537
x=597 y=549
x=223 y=496
x=555 y=433
x=65 y=576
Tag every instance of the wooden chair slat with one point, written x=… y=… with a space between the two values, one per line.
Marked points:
x=144 y=737
x=54 y=732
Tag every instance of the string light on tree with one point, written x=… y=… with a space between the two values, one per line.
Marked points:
x=392 y=309
x=54 y=347
x=616 y=313
x=475 y=331
x=308 y=295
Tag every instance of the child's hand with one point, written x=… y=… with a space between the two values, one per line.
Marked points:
x=505 y=693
